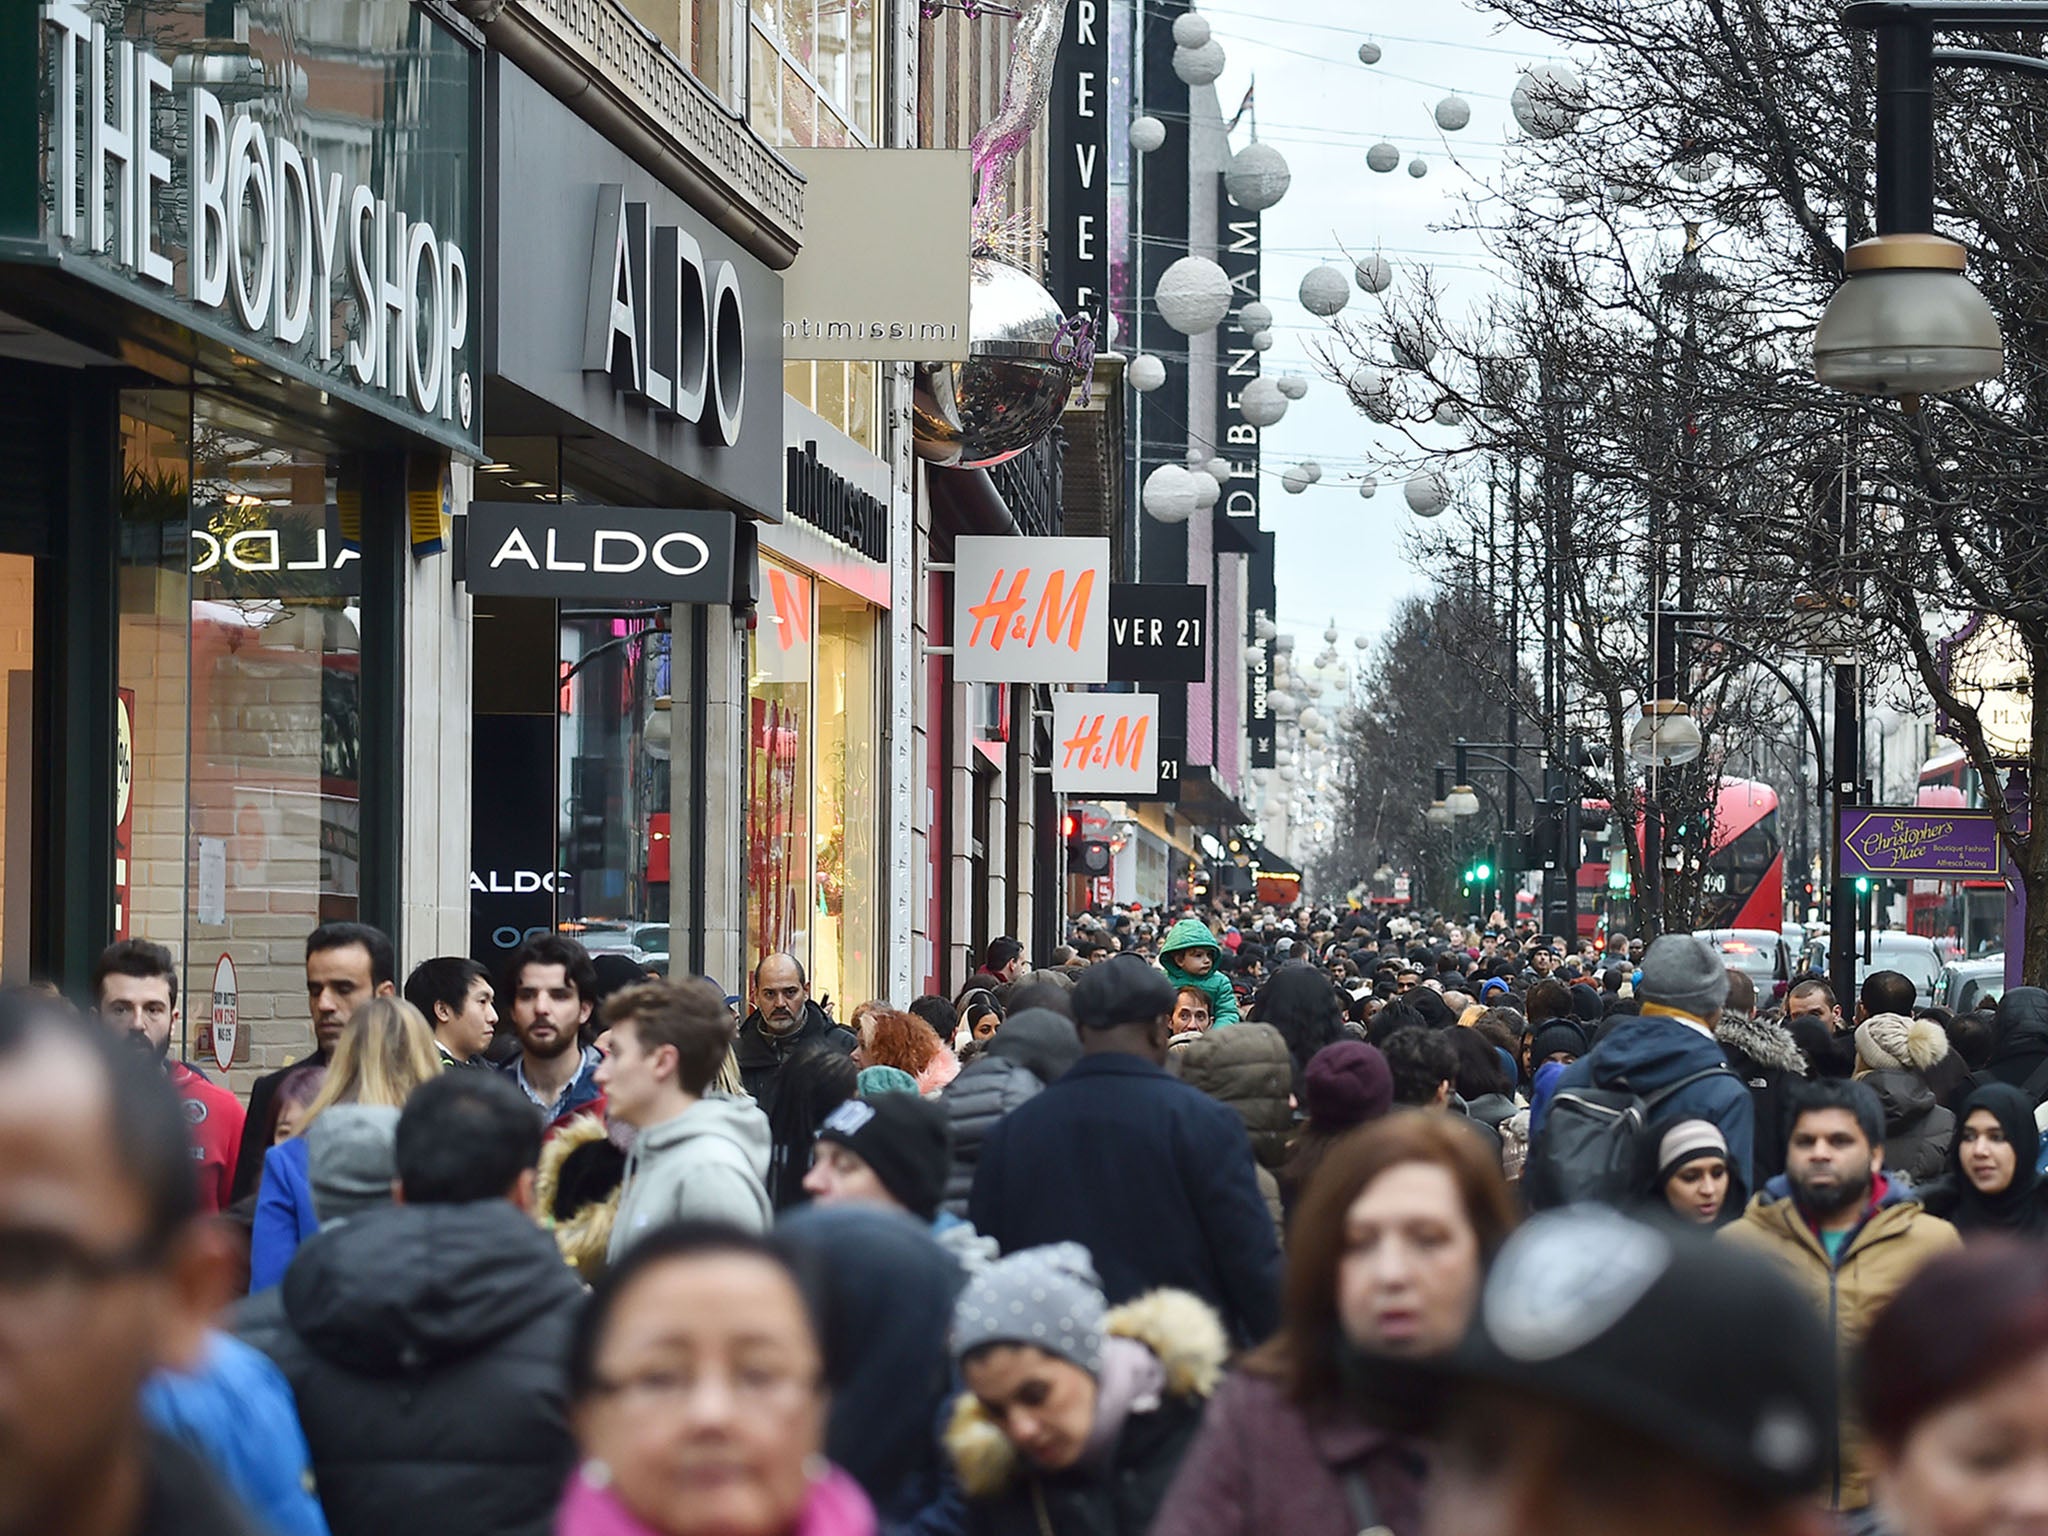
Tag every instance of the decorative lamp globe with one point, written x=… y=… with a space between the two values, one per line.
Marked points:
x=1548 y=100
x=1453 y=113
x=1438 y=814
x=1292 y=385
x=1418 y=167
x=1255 y=316
x=1193 y=295
x=1284 y=644
x=1907 y=322
x=1367 y=488
x=1427 y=492
x=1258 y=176
x=1169 y=494
x=1208 y=490
x=1383 y=157
x=1146 y=373
x=1199 y=66
x=1147 y=134
x=1294 y=482
x=1190 y=30
x=1325 y=291
x=1375 y=273
x=1666 y=736
x=1261 y=403
x=1462 y=800
x=1369 y=53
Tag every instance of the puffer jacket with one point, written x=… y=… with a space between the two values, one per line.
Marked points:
x=1917 y=1130
x=1897 y=1237
x=1193 y=933
x=425 y=1345
x=710 y=1163
x=1764 y=1055
x=1249 y=1068
x=1008 y=1497
x=1030 y=1049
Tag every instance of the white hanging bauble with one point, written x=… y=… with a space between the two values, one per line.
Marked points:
x=1263 y=628
x=1369 y=53
x=1254 y=655
x=1418 y=167
x=1169 y=494
x=1697 y=170
x=1548 y=100
x=1207 y=489
x=1262 y=341
x=1197 y=455
x=1294 y=482
x=1413 y=347
x=1190 y=30
x=1453 y=113
x=1311 y=719
x=1367 y=487
x=1293 y=385
x=1374 y=273
x=1427 y=492
x=1147 y=134
x=1255 y=316
x=1284 y=644
x=1330 y=639
x=1261 y=403
x=1371 y=392
x=1361 y=643
x=1219 y=470
x=1314 y=471
x=1447 y=414
x=1289 y=774
x=1383 y=156
x=1325 y=291
x=1146 y=373
x=1199 y=66
x=1257 y=177
x=1193 y=295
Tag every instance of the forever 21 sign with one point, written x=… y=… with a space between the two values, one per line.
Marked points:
x=635 y=554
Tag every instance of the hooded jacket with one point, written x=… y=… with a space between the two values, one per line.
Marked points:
x=1031 y=1048
x=2021 y=1208
x=710 y=1163
x=425 y=1345
x=1119 y=1493
x=584 y=1233
x=1250 y=1069
x=762 y=1055
x=1764 y=1055
x=1193 y=933
x=1895 y=1238
x=2022 y=1047
x=1918 y=1132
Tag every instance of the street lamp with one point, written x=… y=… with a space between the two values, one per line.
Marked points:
x=1439 y=814
x=1666 y=736
x=1906 y=322
x=1462 y=800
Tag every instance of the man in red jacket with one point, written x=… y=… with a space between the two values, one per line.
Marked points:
x=135 y=989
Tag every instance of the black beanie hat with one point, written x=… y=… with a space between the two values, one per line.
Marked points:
x=905 y=1139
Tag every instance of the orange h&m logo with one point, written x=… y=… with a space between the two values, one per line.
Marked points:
x=1124 y=749
x=1002 y=613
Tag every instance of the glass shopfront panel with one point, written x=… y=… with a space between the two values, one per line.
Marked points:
x=780 y=861
x=848 y=803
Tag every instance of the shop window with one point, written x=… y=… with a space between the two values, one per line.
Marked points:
x=812 y=71
x=780 y=859
x=842 y=393
x=849 y=901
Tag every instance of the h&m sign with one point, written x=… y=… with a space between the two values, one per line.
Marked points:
x=635 y=554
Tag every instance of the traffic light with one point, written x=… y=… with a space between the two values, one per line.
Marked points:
x=1085 y=855
x=1863 y=885
x=1546 y=838
x=1480 y=871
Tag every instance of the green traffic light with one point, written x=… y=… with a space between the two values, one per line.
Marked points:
x=1482 y=872
x=1863 y=885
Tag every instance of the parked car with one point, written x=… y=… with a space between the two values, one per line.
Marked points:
x=1967 y=984
x=1759 y=953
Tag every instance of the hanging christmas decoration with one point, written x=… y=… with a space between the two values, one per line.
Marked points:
x=1369 y=53
x=1427 y=492
x=1170 y=494
x=1190 y=30
x=1413 y=347
x=1034 y=44
x=1207 y=489
x=1262 y=341
x=1372 y=393
x=1199 y=66
x=1258 y=176
x=1383 y=156
x=1324 y=291
x=1024 y=357
x=1294 y=482
x=1261 y=403
x=1375 y=274
x=1418 y=167
x=1447 y=414
x=1367 y=486
x=1146 y=373
x=1292 y=385
x=1548 y=100
x=1147 y=134
x=1255 y=316
x=1218 y=470
x=1193 y=295
x=1453 y=113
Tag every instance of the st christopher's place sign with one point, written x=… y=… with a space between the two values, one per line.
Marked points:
x=276 y=243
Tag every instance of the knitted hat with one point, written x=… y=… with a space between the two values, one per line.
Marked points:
x=907 y=1141
x=351 y=1158
x=874 y=1080
x=1347 y=1084
x=1685 y=1141
x=1891 y=1040
x=1047 y=1297
x=1683 y=972
x=1557 y=1035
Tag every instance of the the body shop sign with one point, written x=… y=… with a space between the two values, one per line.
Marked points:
x=1030 y=610
x=336 y=253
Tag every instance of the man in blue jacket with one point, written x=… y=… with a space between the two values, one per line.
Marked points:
x=1683 y=987
x=1152 y=1176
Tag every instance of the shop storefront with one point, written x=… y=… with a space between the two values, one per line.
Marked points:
x=237 y=366
x=634 y=384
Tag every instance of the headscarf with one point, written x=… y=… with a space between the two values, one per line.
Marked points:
x=2016 y=1208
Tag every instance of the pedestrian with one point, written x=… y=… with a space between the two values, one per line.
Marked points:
x=1844 y=1234
x=1191 y=957
x=1764 y=1055
x=816 y=1080
x=1032 y=1047
x=1895 y=1057
x=1192 y=1016
x=2021 y=1055
x=455 y=996
x=1064 y=1166
x=106 y=1280
x=1388 y=1249
x=697 y=1155
x=1955 y=1372
x=1556 y=1042
x=576 y=1194
x=942 y=1016
x=1814 y=1018
x=1075 y=1417
x=135 y=993
x=888 y=1037
x=1304 y=1005
x=1993 y=1183
x=346 y=965
x=892 y=1151
x=1248 y=1068
x=551 y=991
x=698 y=1393
x=1692 y=1172
x=784 y=1020
x=1618 y=1377
x=423 y=1340
x=383 y=1053
x=882 y=1291
x=1347 y=1085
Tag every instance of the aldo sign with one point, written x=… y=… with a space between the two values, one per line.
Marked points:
x=633 y=554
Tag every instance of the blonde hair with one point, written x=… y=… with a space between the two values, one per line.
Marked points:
x=384 y=1053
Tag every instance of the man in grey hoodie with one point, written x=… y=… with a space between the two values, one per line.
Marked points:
x=697 y=1156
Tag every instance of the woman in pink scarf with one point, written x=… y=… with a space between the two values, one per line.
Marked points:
x=698 y=1399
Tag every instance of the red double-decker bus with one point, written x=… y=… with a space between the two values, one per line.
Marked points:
x=1744 y=884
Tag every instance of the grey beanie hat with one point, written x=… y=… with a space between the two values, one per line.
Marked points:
x=351 y=1159
x=1047 y=1297
x=1682 y=971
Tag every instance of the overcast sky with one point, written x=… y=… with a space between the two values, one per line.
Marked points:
x=1321 y=107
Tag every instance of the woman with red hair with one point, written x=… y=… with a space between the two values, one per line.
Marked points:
x=890 y=1037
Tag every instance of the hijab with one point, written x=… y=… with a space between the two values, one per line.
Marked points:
x=2016 y=1208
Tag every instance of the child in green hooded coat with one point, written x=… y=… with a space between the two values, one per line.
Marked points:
x=1191 y=957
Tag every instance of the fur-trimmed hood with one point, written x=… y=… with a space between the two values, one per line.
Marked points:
x=1181 y=1331
x=581 y=1235
x=1770 y=1045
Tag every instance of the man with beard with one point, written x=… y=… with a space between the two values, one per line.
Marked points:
x=1844 y=1233
x=550 y=988
x=135 y=991
x=783 y=1021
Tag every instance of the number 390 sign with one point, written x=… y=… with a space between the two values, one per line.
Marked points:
x=1105 y=743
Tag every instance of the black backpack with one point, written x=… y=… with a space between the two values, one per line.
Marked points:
x=1597 y=1146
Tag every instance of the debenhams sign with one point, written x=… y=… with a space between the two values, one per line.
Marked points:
x=277 y=246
